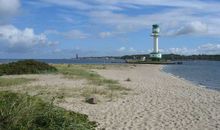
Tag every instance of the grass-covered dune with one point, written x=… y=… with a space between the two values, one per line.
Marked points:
x=26 y=67
x=23 y=112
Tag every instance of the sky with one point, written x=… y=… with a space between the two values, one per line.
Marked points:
x=63 y=28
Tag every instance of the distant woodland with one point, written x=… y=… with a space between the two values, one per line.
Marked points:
x=175 y=57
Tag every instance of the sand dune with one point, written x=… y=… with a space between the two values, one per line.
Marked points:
x=158 y=101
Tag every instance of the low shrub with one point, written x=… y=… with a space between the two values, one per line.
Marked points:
x=23 y=112
x=26 y=67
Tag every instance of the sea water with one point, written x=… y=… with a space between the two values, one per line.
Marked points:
x=73 y=61
x=202 y=73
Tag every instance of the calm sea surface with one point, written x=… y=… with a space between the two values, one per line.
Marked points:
x=203 y=73
x=73 y=61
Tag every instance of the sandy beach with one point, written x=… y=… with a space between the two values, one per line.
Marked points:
x=158 y=101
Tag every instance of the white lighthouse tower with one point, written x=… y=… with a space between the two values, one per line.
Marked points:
x=155 y=55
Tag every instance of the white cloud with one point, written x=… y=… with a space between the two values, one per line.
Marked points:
x=57 y=50
x=131 y=49
x=14 y=38
x=174 y=3
x=76 y=34
x=202 y=17
x=53 y=43
x=198 y=18
x=37 y=4
x=72 y=34
x=125 y=23
x=195 y=27
x=121 y=22
x=122 y=49
x=183 y=51
x=69 y=19
x=115 y=4
x=202 y=49
x=70 y=3
x=9 y=7
x=209 y=49
x=105 y=34
x=84 y=5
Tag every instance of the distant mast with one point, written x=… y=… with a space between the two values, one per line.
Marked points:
x=155 y=55
x=77 y=57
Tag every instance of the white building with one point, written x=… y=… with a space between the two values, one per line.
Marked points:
x=155 y=55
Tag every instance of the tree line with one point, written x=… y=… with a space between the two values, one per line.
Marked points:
x=175 y=57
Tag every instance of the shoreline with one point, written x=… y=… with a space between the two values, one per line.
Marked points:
x=157 y=101
x=189 y=81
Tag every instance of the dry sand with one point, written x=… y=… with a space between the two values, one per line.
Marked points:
x=159 y=101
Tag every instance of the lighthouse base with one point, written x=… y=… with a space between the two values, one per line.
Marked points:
x=155 y=56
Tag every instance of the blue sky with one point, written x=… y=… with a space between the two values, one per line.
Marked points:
x=62 y=28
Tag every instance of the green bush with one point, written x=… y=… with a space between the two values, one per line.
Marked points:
x=23 y=112
x=25 y=67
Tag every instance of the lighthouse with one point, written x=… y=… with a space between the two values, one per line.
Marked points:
x=155 y=55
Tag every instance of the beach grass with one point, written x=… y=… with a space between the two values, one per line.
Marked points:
x=4 y=82
x=89 y=66
x=98 y=85
x=23 y=112
x=94 y=90
x=86 y=72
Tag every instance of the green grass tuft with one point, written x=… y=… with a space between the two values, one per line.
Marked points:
x=103 y=86
x=76 y=71
x=4 y=82
x=23 y=112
